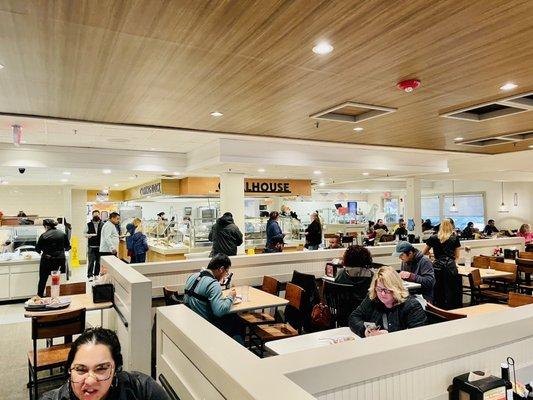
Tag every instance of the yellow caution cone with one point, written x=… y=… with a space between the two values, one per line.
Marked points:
x=74 y=257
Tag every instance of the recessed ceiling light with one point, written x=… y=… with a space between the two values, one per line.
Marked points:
x=106 y=171
x=458 y=139
x=132 y=177
x=366 y=173
x=530 y=146
x=64 y=180
x=358 y=129
x=321 y=184
x=177 y=173
x=5 y=182
x=317 y=172
x=323 y=48
x=261 y=170
x=152 y=148
x=216 y=114
x=67 y=173
x=2 y=66
x=115 y=184
x=509 y=86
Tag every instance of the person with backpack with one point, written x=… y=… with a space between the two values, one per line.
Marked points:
x=203 y=295
x=225 y=235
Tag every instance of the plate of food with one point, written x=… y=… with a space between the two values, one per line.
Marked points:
x=37 y=303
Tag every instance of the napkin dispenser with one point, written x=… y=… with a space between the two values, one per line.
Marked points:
x=482 y=388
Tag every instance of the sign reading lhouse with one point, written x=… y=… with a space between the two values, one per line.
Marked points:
x=267 y=187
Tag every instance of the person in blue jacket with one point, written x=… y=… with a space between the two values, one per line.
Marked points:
x=139 y=243
x=273 y=229
x=130 y=228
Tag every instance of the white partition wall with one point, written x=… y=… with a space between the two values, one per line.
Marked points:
x=250 y=270
x=131 y=316
x=199 y=362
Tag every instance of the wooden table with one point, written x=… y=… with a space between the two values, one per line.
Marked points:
x=480 y=309
x=309 y=341
x=257 y=299
x=78 y=301
x=485 y=273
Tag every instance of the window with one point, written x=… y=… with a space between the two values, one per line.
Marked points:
x=470 y=208
x=392 y=210
x=430 y=209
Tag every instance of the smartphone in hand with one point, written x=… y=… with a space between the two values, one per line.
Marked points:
x=371 y=326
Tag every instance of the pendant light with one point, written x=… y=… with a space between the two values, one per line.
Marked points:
x=503 y=208
x=453 y=208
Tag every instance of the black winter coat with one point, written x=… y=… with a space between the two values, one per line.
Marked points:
x=314 y=234
x=130 y=386
x=406 y=315
x=226 y=236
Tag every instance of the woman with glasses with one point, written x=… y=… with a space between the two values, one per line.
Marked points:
x=94 y=366
x=388 y=307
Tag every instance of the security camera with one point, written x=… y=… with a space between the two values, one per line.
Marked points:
x=22 y=170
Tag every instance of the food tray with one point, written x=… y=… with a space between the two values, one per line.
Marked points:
x=64 y=302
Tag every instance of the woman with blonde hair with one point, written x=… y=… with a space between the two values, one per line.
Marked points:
x=446 y=249
x=388 y=307
x=525 y=232
x=139 y=242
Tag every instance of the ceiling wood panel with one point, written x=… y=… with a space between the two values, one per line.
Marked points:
x=172 y=63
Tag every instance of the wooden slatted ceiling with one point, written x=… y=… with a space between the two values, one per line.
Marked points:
x=171 y=63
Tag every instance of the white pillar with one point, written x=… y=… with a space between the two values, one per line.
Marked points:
x=413 y=204
x=232 y=199
x=276 y=203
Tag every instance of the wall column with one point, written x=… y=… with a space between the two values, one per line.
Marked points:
x=232 y=199
x=413 y=204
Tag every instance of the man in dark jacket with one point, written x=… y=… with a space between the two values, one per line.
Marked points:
x=416 y=267
x=225 y=235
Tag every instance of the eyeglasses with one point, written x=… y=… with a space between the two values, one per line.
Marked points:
x=80 y=373
x=383 y=290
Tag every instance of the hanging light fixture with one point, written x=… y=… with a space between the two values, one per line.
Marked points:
x=453 y=208
x=503 y=208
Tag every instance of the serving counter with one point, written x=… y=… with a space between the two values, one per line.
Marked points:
x=18 y=279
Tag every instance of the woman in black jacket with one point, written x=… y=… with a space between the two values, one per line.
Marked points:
x=387 y=308
x=313 y=233
x=94 y=365
x=52 y=245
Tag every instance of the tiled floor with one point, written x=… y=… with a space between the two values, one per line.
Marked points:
x=15 y=342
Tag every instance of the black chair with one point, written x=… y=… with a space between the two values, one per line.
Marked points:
x=342 y=299
x=311 y=296
x=171 y=297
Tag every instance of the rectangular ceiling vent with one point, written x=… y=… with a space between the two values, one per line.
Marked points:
x=352 y=112
x=494 y=109
x=496 y=140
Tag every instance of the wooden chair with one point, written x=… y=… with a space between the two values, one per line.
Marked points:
x=435 y=314
x=507 y=283
x=525 y=270
x=291 y=327
x=48 y=327
x=272 y=286
x=171 y=296
x=480 y=262
x=342 y=299
x=67 y=289
x=480 y=294
x=526 y=254
x=517 y=299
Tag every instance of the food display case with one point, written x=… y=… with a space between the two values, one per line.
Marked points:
x=255 y=231
x=198 y=234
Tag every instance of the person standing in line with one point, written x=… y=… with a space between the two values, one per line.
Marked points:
x=93 y=232
x=130 y=229
x=273 y=229
x=313 y=233
x=139 y=242
x=52 y=245
x=109 y=237
x=225 y=235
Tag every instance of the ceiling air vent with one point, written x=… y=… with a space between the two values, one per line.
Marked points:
x=352 y=112
x=496 y=140
x=495 y=109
